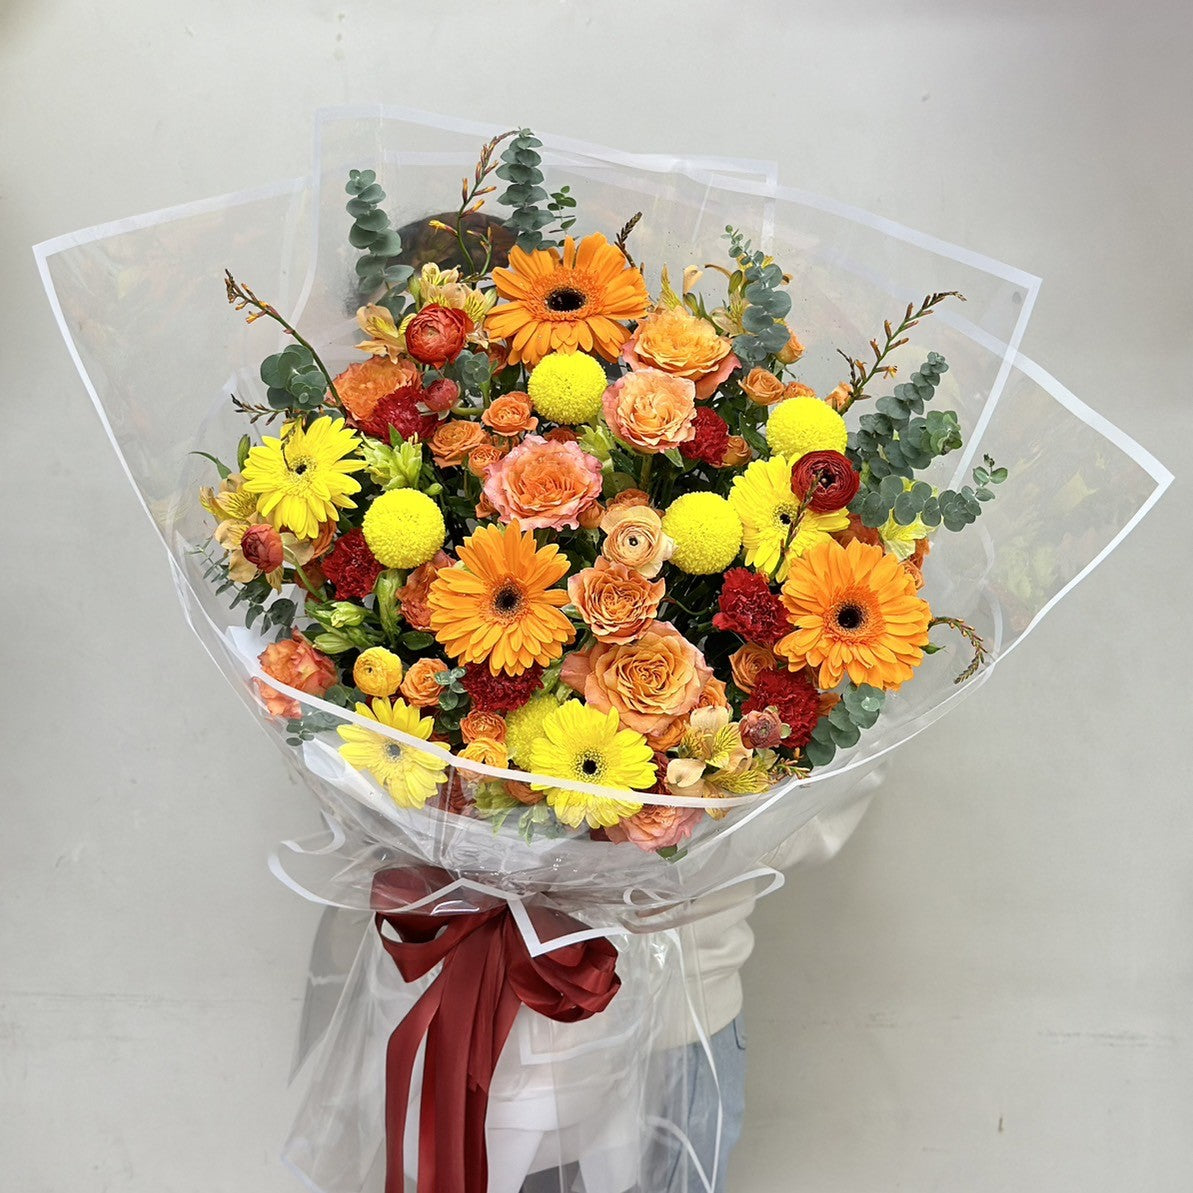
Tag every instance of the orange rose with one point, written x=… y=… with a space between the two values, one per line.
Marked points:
x=675 y=341
x=511 y=414
x=630 y=497
x=840 y=398
x=296 y=663
x=523 y=792
x=797 y=389
x=487 y=751
x=651 y=410
x=419 y=687
x=362 y=386
x=454 y=440
x=669 y=736
x=712 y=695
x=616 y=602
x=412 y=596
x=791 y=351
x=481 y=457
x=634 y=537
x=762 y=387
x=648 y=682
x=591 y=515
x=562 y=435
x=737 y=452
x=483 y=724
x=544 y=484
x=748 y=662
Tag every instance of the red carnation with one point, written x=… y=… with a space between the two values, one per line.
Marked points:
x=749 y=608
x=436 y=334
x=500 y=693
x=710 y=441
x=794 y=696
x=829 y=477
x=400 y=411
x=352 y=567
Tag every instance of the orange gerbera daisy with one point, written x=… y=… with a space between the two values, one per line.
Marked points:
x=561 y=304
x=498 y=605
x=855 y=613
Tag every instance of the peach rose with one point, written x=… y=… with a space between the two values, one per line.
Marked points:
x=762 y=387
x=616 y=602
x=791 y=351
x=419 y=686
x=511 y=414
x=656 y=827
x=296 y=663
x=737 y=452
x=651 y=410
x=748 y=661
x=542 y=483
x=648 y=682
x=634 y=536
x=712 y=695
x=362 y=386
x=630 y=497
x=797 y=389
x=481 y=457
x=678 y=342
x=483 y=724
x=412 y=596
x=452 y=442
x=487 y=751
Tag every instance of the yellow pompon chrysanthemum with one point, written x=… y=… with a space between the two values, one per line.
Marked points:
x=577 y=301
x=498 y=604
x=584 y=745
x=856 y=614
x=410 y=775
x=302 y=479
x=404 y=528
x=801 y=425
x=523 y=725
x=706 y=531
x=768 y=510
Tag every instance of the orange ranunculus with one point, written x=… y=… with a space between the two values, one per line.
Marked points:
x=479 y=723
x=737 y=452
x=481 y=457
x=510 y=415
x=412 y=596
x=362 y=386
x=261 y=545
x=544 y=484
x=651 y=410
x=436 y=335
x=486 y=750
x=452 y=442
x=748 y=661
x=649 y=682
x=419 y=686
x=296 y=663
x=762 y=387
x=630 y=497
x=634 y=537
x=857 y=529
x=591 y=516
x=616 y=602
x=678 y=342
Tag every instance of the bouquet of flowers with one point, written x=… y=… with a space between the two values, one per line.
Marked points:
x=577 y=551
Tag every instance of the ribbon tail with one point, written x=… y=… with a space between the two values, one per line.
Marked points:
x=400 y=1055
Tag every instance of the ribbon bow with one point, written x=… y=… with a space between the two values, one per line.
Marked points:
x=466 y=1015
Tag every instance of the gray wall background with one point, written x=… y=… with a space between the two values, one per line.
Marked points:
x=990 y=989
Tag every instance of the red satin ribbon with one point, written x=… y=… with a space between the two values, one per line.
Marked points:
x=466 y=1015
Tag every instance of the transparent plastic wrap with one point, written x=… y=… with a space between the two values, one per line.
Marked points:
x=122 y=292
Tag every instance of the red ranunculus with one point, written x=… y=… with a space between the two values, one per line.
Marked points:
x=436 y=334
x=441 y=395
x=710 y=441
x=794 y=696
x=400 y=410
x=749 y=608
x=829 y=477
x=352 y=567
x=262 y=547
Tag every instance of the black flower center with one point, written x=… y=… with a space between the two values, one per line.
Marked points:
x=393 y=752
x=849 y=617
x=589 y=766
x=507 y=599
x=565 y=299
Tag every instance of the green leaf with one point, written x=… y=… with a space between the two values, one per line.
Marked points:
x=220 y=466
x=415 y=640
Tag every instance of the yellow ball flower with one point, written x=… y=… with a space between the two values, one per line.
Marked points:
x=524 y=724
x=801 y=425
x=404 y=528
x=567 y=387
x=706 y=532
x=377 y=672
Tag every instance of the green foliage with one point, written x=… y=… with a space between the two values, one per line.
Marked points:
x=858 y=709
x=471 y=371
x=295 y=380
x=304 y=728
x=220 y=466
x=765 y=334
x=533 y=209
x=372 y=233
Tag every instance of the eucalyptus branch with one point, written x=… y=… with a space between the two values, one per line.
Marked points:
x=624 y=234
x=980 y=650
x=861 y=374
x=241 y=296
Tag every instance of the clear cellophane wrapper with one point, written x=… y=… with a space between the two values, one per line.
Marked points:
x=586 y=1107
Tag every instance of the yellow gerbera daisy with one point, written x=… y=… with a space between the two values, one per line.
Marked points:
x=410 y=775
x=302 y=478
x=768 y=510
x=585 y=745
x=856 y=614
x=498 y=604
x=575 y=302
